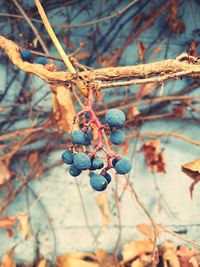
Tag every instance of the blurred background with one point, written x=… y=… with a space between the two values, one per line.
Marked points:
x=62 y=213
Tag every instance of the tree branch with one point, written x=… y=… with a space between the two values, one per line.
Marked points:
x=144 y=73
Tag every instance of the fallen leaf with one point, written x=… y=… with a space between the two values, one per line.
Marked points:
x=105 y=259
x=141 y=50
x=186 y=256
x=148 y=231
x=145 y=90
x=125 y=147
x=103 y=204
x=7 y=260
x=156 y=51
x=169 y=257
x=42 y=263
x=23 y=219
x=154 y=157
x=192 y=169
x=7 y=222
x=137 y=249
x=77 y=259
x=5 y=174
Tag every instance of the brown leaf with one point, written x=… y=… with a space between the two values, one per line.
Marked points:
x=192 y=169
x=42 y=263
x=77 y=259
x=7 y=222
x=105 y=259
x=156 y=51
x=5 y=173
x=154 y=157
x=109 y=60
x=7 y=260
x=169 y=257
x=141 y=50
x=186 y=256
x=132 y=112
x=63 y=107
x=175 y=23
x=23 y=219
x=33 y=158
x=145 y=89
x=148 y=231
x=125 y=147
x=136 y=249
x=83 y=55
x=102 y=202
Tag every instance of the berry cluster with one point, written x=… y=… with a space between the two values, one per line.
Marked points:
x=27 y=56
x=82 y=140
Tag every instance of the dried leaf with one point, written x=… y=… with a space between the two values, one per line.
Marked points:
x=145 y=90
x=186 y=256
x=42 y=263
x=179 y=110
x=102 y=202
x=192 y=169
x=77 y=260
x=23 y=219
x=132 y=113
x=156 y=51
x=141 y=50
x=110 y=60
x=7 y=222
x=147 y=230
x=33 y=158
x=175 y=23
x=154 y=157
x=169 y=257
x=104 y=259
x=137 y=248
x=83 y=55
x=63 y=107
x=5 y=173
x=7 y=260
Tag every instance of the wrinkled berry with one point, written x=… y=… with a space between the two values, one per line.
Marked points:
x=98 y=182
x=82 y=161
x=78 y=137
x=123 y=166
x=117 y=137
x=97 y=163
x=74 y=171
x=115 y=117
x=68 y=157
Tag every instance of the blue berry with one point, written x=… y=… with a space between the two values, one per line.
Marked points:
x=91 y=174
x=74 y=171
x=82 y=161
x=97 y=163
x=98 y=182
x=117 y=137
x=115 y=117
x=78 y=137
x=123 y=166
x=114 y=161
x=26 y=55
x=88 y=137
x=108 y=177
x=87 y=115
x=68 y=157
x=41 y=60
